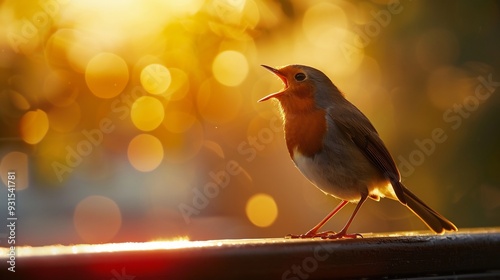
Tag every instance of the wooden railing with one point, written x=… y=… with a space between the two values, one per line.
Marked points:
x=467 y=254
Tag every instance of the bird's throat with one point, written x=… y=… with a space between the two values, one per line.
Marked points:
x=304 y=132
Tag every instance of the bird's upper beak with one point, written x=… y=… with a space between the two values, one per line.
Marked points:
x=281 y=76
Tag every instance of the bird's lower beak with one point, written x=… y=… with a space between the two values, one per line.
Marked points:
x=283 y=79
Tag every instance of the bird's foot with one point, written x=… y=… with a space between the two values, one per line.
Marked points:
x=324 y=235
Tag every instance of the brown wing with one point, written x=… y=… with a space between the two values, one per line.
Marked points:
x=365 y=136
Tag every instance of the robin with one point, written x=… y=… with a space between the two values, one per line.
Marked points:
x=337 y=148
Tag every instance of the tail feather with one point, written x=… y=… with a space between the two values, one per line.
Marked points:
x=431 y=218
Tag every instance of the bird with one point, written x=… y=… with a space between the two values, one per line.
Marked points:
x=336 y=147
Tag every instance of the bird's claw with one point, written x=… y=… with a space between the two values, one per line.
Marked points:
x=324 y=235
x=341 y=235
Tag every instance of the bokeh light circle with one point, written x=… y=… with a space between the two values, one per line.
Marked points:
x=106 y=75
x=261 y=210
x=147 y=113
x=145 y=152
x=18 y=162
x=325 y=24
x=447 y=86
x=155 y=78
x=34 y=126
x=230 y=68
x=97 y=219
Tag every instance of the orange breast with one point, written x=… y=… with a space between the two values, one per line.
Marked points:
x=305 y=132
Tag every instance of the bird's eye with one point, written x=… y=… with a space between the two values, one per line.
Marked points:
x=299 y=77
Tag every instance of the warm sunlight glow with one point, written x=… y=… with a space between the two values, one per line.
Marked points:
x=81 y=49
x=106 y=75
x=167 y=244
x=148 y=105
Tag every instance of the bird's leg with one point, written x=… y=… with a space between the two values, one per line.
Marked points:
x=314 y=231
x=343 y=232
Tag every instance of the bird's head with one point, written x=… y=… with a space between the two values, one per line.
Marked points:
x=305 y=89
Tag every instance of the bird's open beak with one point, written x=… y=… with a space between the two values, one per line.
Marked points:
x=283 y=79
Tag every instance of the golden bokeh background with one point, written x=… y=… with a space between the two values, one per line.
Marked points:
x=139 y=120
